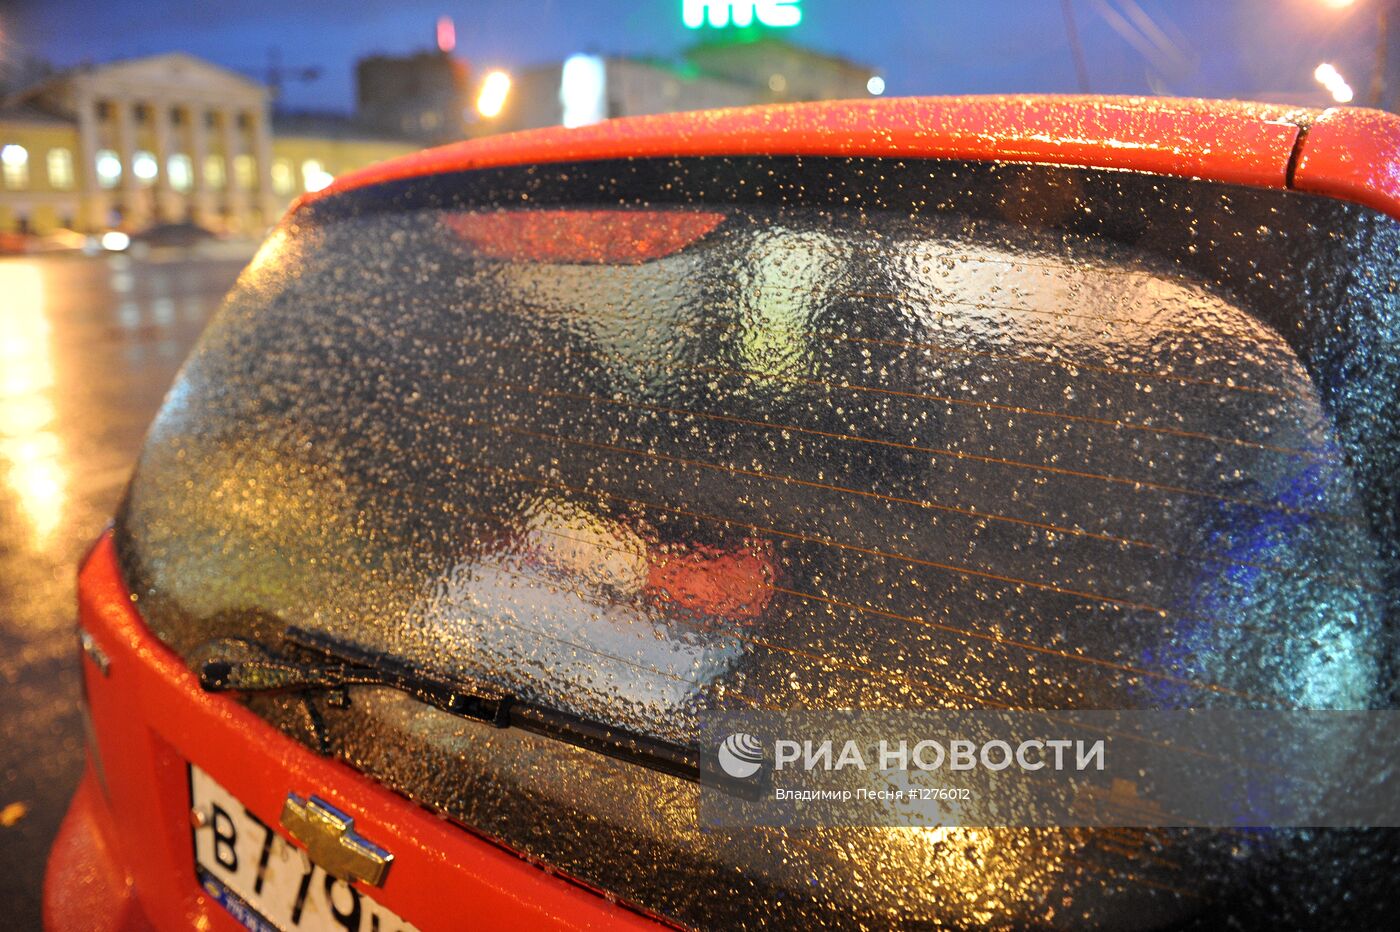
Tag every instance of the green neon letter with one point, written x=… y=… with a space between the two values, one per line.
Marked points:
x=776 y=14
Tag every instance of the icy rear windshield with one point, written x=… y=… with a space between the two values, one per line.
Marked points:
x=638 y=439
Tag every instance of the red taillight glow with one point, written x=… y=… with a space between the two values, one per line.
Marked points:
x=591 y=237
x=728 y=583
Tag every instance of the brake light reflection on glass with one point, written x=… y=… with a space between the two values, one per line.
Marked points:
x=588 y=237
x=734 y=582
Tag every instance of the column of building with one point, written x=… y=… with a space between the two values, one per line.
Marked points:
x=92 y=199
x=235 y=198
x=262 y=147
x=167 y=200
x=199 y=209
x=133 y=213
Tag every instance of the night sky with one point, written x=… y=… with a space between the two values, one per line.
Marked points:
x=1216 y=48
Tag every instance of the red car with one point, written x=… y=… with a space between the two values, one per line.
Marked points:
x=506 y=461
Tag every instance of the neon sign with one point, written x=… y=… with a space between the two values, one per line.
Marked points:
x=775 y=14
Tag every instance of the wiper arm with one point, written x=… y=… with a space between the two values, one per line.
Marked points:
x=346 y=664
x=341 y=663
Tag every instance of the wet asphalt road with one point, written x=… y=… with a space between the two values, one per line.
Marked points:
x=88 y=347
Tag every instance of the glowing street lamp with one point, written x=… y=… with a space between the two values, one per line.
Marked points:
x=491 y=100
x=1329 y=77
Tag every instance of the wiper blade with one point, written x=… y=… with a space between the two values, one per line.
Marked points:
x=341 y=663
x=350 y=665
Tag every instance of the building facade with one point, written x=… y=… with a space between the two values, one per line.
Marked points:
x=161 y=139
x=588 y=88
x=421 y=96
x=174 y=138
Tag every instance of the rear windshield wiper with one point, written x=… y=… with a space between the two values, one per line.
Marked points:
x=327 y=663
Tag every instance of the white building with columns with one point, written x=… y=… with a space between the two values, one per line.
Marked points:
x=167 y=138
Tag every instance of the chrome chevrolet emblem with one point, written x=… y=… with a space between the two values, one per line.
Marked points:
x=330 y=838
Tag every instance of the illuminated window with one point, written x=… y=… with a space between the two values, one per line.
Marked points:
x=283 y=178
x=60 y=165
x=180 y=171
x=313 y=176
x=14 y=161
x=214 y=171
x=109 y=168
x=144 y=166
x=245 y=171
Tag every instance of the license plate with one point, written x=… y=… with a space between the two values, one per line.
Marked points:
x=267 y=883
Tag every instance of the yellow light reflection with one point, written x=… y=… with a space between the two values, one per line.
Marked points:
x=788 y=280
x=270 y=255
x=28 y=445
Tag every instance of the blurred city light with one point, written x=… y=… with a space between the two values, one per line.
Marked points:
x=583 y=84
x=143 y=166
x=33 y=453
x=494 y=89
x=313 y=176
x=1338 y=4
x=14 y=165
x=109 y=168
x=1329 y=77
x=876 y=85
x=115 y=241
x=446 y=34
x=180 y=170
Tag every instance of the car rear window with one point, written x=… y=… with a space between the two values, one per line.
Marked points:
x=636 y=440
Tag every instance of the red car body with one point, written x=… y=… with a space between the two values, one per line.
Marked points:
x=123 y=858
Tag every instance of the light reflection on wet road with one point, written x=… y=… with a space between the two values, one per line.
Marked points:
x=88 y=347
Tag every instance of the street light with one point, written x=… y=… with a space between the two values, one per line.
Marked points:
x=1329 y=77
x=492 y=98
